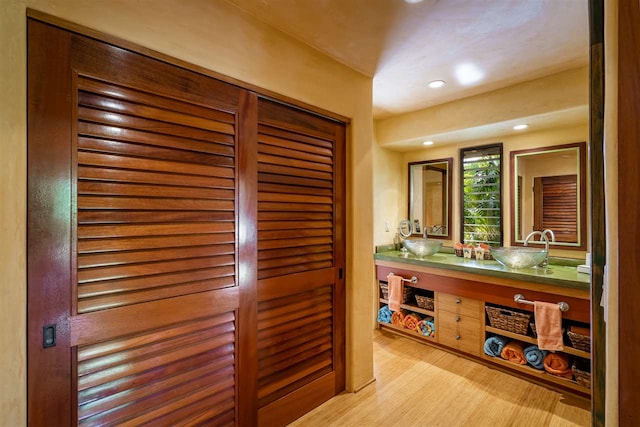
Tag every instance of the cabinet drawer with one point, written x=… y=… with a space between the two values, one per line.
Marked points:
x=459 y=332
x=459 y=305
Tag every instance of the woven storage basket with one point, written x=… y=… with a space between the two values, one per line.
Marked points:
x=583 y=377
x=508 y=320
x=579 y=341
x=424 y=302
x=407 y=292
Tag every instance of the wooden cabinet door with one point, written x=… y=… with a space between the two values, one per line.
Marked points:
x=300 y=347
x=133 y=240
x=459 y=332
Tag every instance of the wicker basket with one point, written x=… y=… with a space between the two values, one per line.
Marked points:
x=579 y=341
x=407 y=292
x=424 y=302
x=508 y=320
x=581 y=374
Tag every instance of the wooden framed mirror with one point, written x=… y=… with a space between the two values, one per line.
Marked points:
x=548 y=191
x=430 y=197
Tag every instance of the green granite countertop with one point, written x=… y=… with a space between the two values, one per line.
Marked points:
x=559 y=275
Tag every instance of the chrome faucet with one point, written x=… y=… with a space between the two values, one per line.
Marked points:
x=550 y=235
x=543 y=235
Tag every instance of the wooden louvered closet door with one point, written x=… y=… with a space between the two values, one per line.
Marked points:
x=185 y=240
x=556 y=206
x=134 y=171
x=300 y=262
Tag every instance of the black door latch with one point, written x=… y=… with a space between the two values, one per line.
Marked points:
x=49 y=336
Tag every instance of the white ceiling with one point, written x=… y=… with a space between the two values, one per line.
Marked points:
x=404 y=46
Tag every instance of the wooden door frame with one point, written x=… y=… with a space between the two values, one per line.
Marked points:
x=628 y=211
x=598 y=235
x=48 y=254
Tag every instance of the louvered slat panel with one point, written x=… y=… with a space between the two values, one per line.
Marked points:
x=295 y=202
x=295 y=342
x=104 y=259
x=121 y=244
x=96 y=144
x=300 y=251
x=117 y=175
x=155 y=197
x=287 y=252
x=560 y=207
x=160 y=377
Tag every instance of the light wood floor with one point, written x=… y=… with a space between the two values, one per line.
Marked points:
x=418 y=385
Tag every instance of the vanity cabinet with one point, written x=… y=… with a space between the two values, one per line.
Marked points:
x=461 y=325
x=459 y=322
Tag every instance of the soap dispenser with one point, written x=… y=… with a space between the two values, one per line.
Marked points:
x=396 y=242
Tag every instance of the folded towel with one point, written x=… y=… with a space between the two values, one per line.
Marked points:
x=411 y=321
x=535 y=356
x=493 y=345
x=384 y=314
x=427 y=327
x=558 y=364
x=514 y=353
x=548 y=325
x=397 y=318
x=395 y=292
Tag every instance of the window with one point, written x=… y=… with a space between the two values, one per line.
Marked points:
x=481 y=194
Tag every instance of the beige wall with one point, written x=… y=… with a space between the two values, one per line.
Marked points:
x=12 y=215
x=388 y=207
x=217 y=36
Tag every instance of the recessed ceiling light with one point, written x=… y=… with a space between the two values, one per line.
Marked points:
x=436 y=84
x=468 y=74
x=427 y=143
x=520 y=127
x=413 y=1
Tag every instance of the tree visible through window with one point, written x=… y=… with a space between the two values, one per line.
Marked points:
x=482 y=194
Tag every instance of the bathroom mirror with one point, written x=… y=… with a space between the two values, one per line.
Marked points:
x=548 y=191
x=430 y=198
